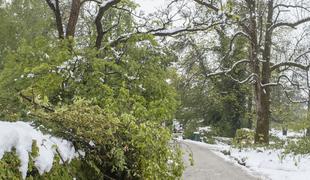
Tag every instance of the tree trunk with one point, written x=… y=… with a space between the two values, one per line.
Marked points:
x=308 y=108
x=56 y=10
x=284 y=131
x=99 y=27
x=59 y=21
x=263 y=92
x=263 y=114
x=74 y=15
x=249 y=110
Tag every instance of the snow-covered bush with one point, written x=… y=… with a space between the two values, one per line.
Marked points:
x=93 y=101
x=243 y=138
x=116 y=146
x=27 y=153
x=207 y=134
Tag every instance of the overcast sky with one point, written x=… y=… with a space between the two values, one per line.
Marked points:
x=149 y=6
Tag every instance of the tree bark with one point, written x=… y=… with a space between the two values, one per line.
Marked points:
x=56 y=10
x=308 y=109
x=263 y=93
x=73 y=18
x=261 y=134
x=249 y=110
x=99 y=27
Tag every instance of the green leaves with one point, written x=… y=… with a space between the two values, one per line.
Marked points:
x=111 y=103
x=116 y=143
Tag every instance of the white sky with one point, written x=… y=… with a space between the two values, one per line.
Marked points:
x=149 y=6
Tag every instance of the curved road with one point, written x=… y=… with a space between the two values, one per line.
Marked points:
x=208 y=166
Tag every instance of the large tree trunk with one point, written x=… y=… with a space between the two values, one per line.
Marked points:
x=263 y=92
x=249 y=110
x=263 y=115
x=74 y=15
x=308 y=112
x=262 y=72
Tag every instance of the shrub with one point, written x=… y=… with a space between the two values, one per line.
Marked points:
x=244 y=137
x=301 y=146
x=10 y=163
x=116 y=146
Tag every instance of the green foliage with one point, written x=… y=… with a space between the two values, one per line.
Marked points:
x=111 y=103
x=285 y=114
x=9 y=165
x=191 y=127
x=209 y=140
x=114 y=105
x=301 y=146
x=216 y=101
x=77 y=168
x=20 y=21
x=243 y=138
x=121 y=146
x=208 y=136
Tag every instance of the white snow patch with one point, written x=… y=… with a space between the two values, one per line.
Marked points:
x=272 y=164
x=19 y=135
x=267 y=164
x=105 y=3
x=205 y=129
x=290 y=134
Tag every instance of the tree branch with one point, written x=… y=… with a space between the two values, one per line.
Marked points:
x=292 y=64
x=103 y=8
x=208 y=5
x=56 y=10
x=225 y=72
x=292 y=25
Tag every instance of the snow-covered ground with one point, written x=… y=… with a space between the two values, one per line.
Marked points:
x=20 y=135
x=269 y=164
x=290 y=134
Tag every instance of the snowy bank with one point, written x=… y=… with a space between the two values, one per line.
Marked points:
x=274 y=164
x=267 y=164
x=20 y=135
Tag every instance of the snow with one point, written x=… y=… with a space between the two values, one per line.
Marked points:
x=265 y=163
x=272 y=164
x=290 y=134
x=104 y=3
x=20 y=135
x=170 y=31
x=205 y=129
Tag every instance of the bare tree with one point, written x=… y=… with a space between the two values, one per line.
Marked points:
x=258 y=22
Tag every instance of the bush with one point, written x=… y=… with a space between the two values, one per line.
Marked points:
x=119 y=147
x=10 y=163
x=208 y=135
x=244 y=137
x=301 y=146
x=108 y=108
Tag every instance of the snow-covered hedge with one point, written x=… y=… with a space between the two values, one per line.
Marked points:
x=20 y=139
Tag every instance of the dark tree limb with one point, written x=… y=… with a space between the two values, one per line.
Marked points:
x=291 y=64
x=56 y=10
x=98 y=23
x=73 y=18
x=30 y=100
x=291 y=25
x=208 y=5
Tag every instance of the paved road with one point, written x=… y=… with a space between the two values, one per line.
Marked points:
x=208 y=166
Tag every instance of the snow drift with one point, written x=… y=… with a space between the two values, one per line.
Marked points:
x=20 y=135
